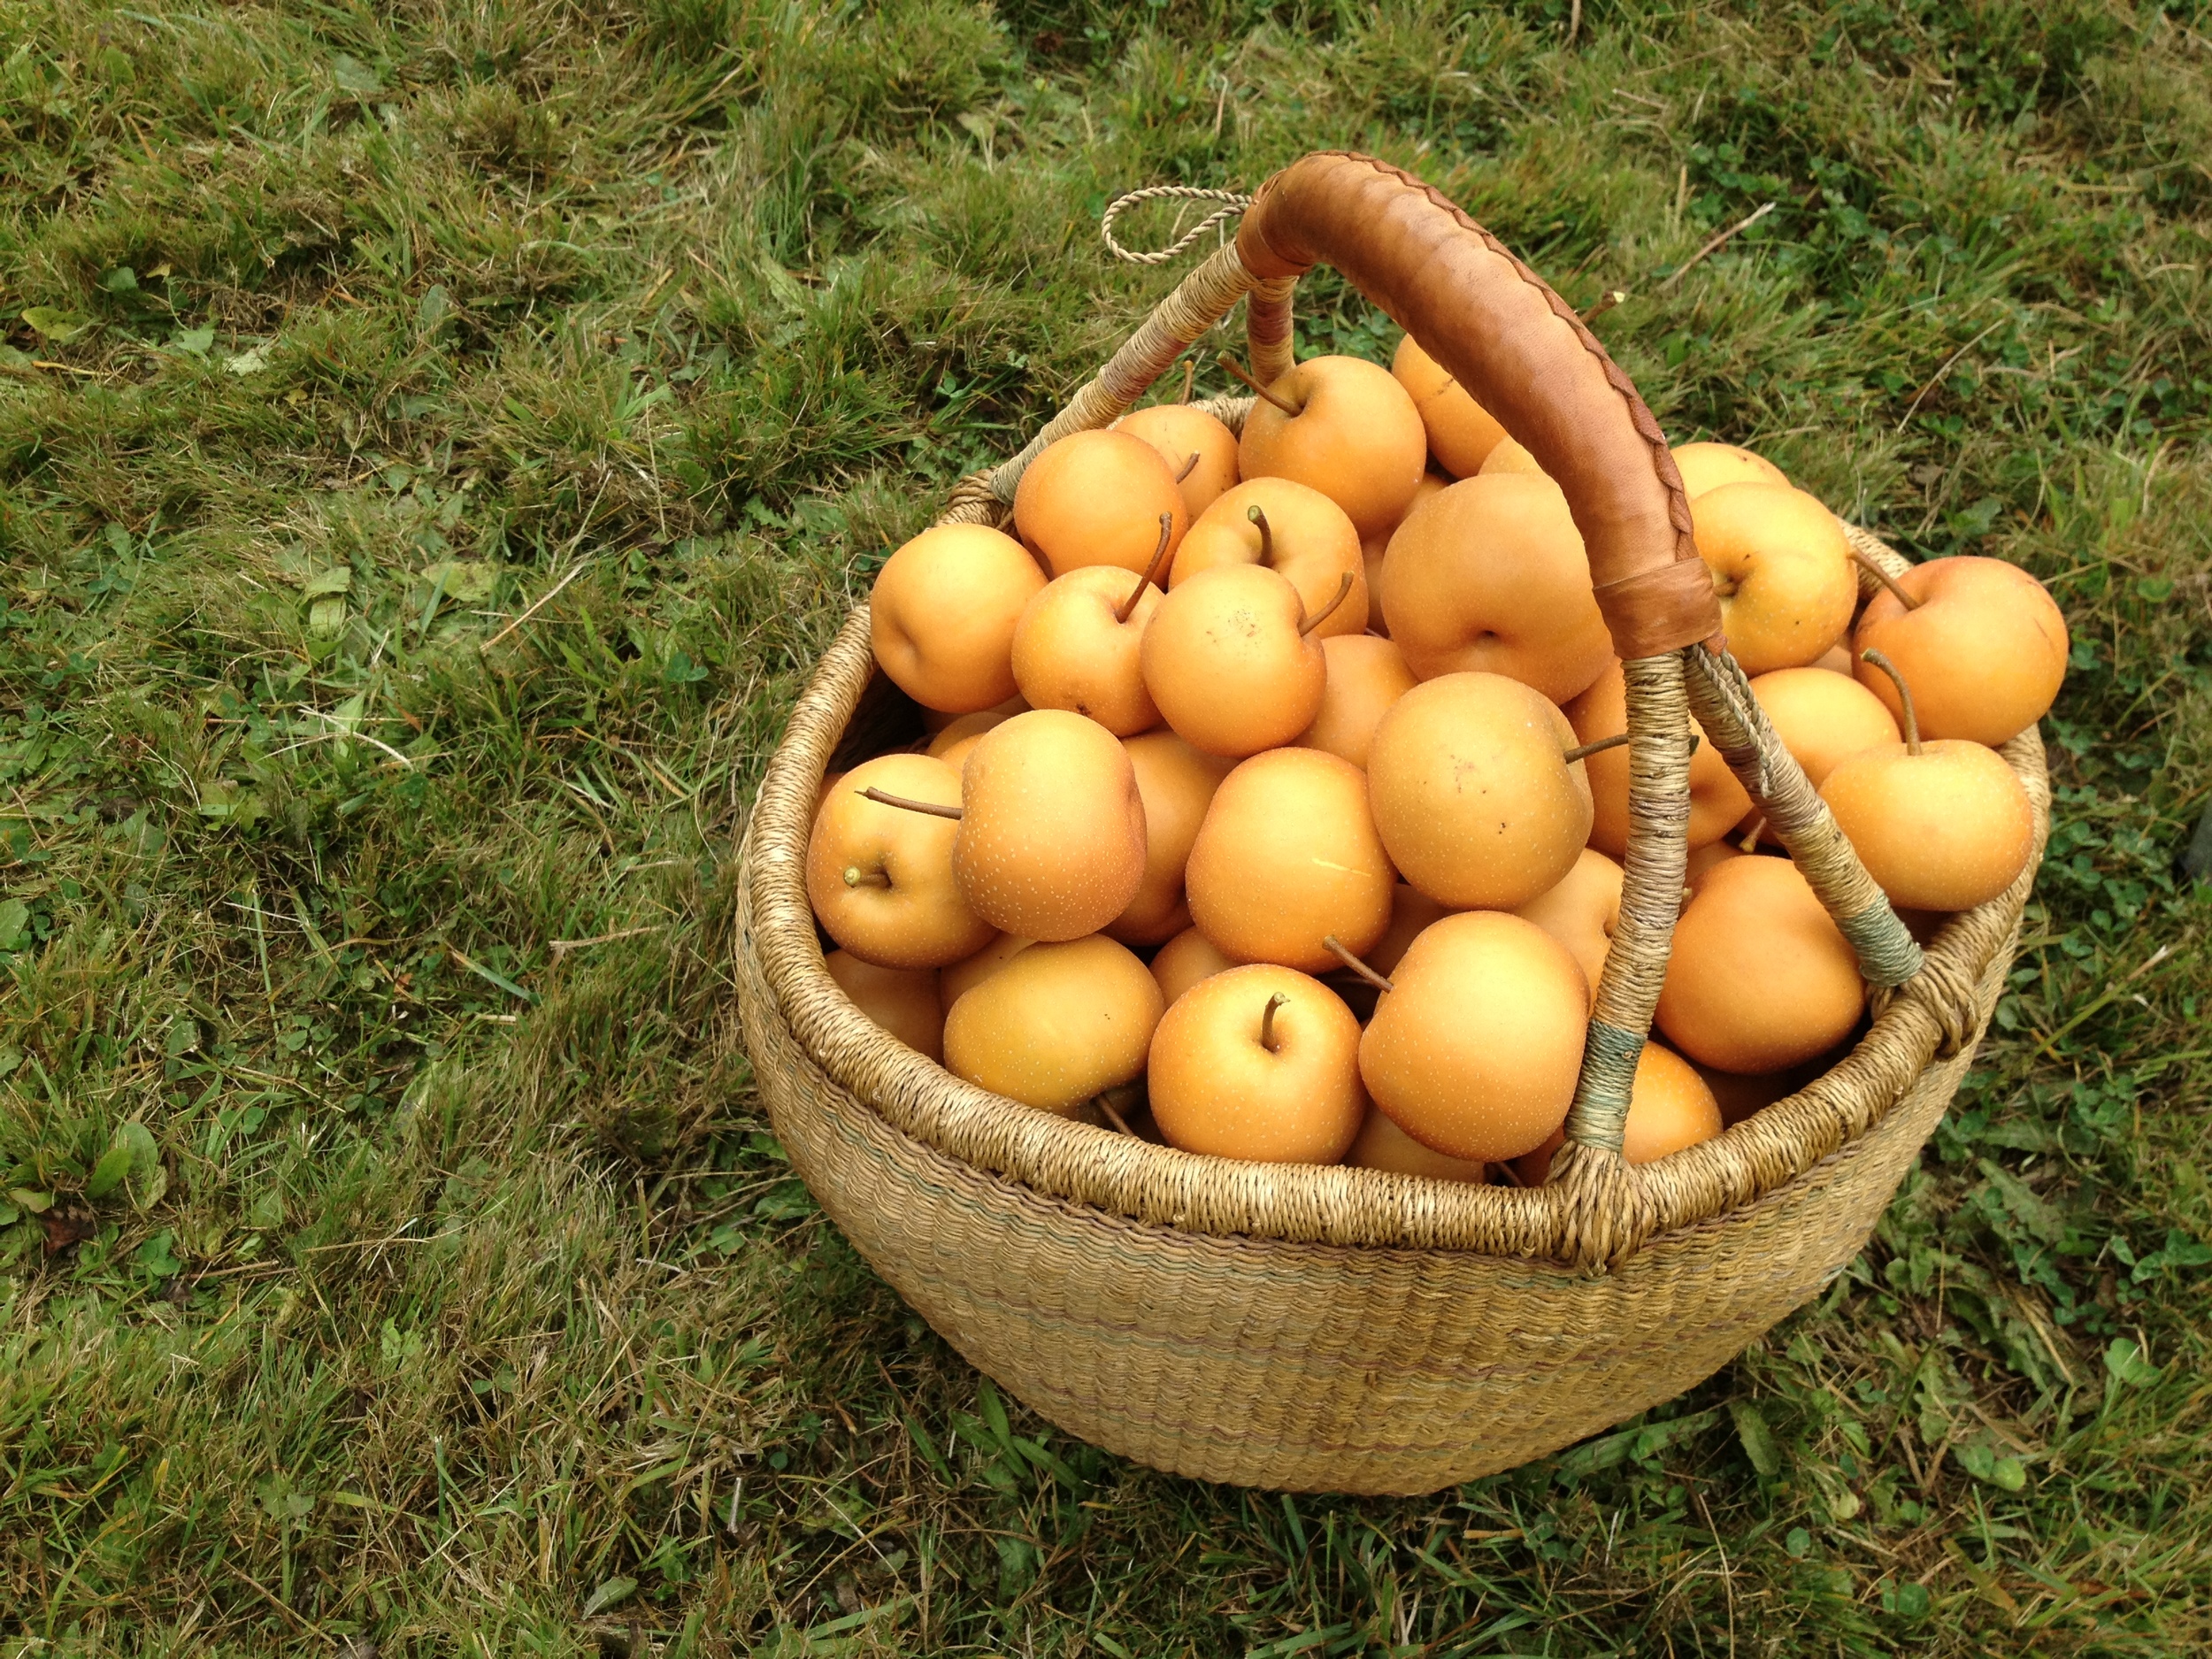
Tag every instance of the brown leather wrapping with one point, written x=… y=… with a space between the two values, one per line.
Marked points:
x=1523 y=355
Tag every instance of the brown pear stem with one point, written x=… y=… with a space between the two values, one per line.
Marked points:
x=1267 y=534
x=1886 y=579
x=1267 y=1021
x=1151 y=571
x=1114 y=1117
x=1750 y=842
x=1190 y=377
x=1189 y=467
x=1583 y=751
x=855 y=877
x=1343 y=592
x=885 y=798
x=1606 y=302
x=1336 y=946
x=1283 y=403
x=1904 y=696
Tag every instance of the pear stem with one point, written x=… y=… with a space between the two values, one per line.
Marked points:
x=855 y=877
x=1606 y=302
x=885 y=798
x=1267 y=534
x=1283 y=403
x=1904 y=696
x=1267 y=1021
x=1129 y=605
x=1189 y=467
x=1343 y=592
x=1583 y=751
x=1750 y=842
x=1886 y=579
x=1114 y=1117
x=1190 y=377
x=1336 y=946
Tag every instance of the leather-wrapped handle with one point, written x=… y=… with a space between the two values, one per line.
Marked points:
x=1523 y=355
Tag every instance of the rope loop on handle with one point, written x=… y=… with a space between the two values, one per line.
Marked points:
x=1232 y=205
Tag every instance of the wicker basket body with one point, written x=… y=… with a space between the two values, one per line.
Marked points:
x=1305 y=1365
x=1338 y=1329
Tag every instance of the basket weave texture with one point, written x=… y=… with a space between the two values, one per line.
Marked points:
x=1339 y=1329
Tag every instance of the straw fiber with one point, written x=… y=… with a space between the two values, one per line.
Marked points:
x=1340 y=1329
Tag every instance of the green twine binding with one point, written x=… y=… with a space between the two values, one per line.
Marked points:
x=1599 y=1115
x=1887 y=953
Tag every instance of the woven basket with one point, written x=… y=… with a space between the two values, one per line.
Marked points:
x=1335 y=1329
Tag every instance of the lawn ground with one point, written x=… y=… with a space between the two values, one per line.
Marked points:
x=434 y=439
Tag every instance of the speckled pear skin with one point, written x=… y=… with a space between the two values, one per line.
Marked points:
x=1051 y=843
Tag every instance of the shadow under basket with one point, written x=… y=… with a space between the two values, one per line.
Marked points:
x=1332 y=1329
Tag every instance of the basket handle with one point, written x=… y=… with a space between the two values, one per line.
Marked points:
x=1523 y=355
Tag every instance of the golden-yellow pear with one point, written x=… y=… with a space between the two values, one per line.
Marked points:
x=1984 y=645
x=1489 y=577
x=1740 y=1095
x=1051 y=842
x=1177 y=783
x=1716 y=800
x=1366 y=676
x=1076 y=646
x=1822 y=718
x=1259 y=1063
x=1581 y=912
x=1670 y=1107
x=1198 y=450
x=1703 y=858
x=1226 y=661
x=1373 y=549
x=880 y=878
x=1783 y=571
x=1411 y=910
x=1476 y=1049
x=1706 y=467
x=1096 y=498
x=1474 y=798
x=1510 y=456
x=1186 y=959
x=960 y=728
x=1287 y=857
x=1940 y=825
x=1462 y=432
x=970 y=972
x=903 y=1001
x=1056 y=1026
x=956 y=754
x=1298 y=534
x=942 y=612
x=1760 y=978
x=1382 y=1145
x=1356 y=437
x=936 y=721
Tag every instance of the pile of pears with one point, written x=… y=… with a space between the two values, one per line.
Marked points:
x=1274 y=798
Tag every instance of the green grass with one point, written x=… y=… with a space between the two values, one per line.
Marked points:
x=425 y=1276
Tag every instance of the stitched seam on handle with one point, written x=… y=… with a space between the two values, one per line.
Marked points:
x=1646 y=424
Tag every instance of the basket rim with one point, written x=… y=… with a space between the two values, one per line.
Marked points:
x=1938 y=1012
